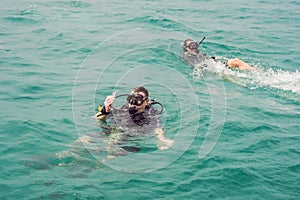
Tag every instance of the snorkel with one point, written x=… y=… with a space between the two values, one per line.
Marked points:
x=201 y=41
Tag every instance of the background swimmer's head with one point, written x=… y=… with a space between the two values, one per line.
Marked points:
x=189 y=45
x=187 y=41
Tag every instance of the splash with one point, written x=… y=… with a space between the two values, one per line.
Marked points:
x=277 y=79
x=261 y=78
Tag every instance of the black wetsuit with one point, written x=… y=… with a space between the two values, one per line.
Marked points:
x=122 y=128
x=121 y=118
x=200 y=60
x=194 y=59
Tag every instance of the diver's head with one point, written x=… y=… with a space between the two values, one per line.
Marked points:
x=138 y=100
x=190 y=45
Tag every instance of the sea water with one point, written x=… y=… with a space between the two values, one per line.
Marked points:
x=236 y=133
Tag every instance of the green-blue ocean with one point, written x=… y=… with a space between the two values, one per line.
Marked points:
x=236 y=133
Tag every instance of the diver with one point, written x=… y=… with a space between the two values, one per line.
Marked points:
x=123 y=129
x=137 y=118
x=192 y=56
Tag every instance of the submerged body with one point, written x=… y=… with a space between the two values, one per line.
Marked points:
x=200 y=62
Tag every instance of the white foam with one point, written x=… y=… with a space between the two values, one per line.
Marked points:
x=278 y=79
x=261 y=78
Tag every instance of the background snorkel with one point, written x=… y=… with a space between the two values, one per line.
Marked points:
x=152 y=102
x=201 y=41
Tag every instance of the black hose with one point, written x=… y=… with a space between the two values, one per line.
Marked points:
x=201 y=41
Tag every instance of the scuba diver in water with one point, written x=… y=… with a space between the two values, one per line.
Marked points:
x=192 y=56
x=137 y=118
x=138 y=109
x=122 y=128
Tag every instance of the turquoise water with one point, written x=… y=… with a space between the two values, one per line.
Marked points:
x=235 y=139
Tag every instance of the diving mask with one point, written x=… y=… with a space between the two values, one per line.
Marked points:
x=136 y=99
x=193 y=45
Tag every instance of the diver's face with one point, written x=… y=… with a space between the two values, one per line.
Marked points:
x=191 y=46
x=138 y=100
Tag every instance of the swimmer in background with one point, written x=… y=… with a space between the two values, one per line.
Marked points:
x=192 y=56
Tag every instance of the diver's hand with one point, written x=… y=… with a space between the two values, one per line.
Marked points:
x=164 y=143
x=108 y=103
